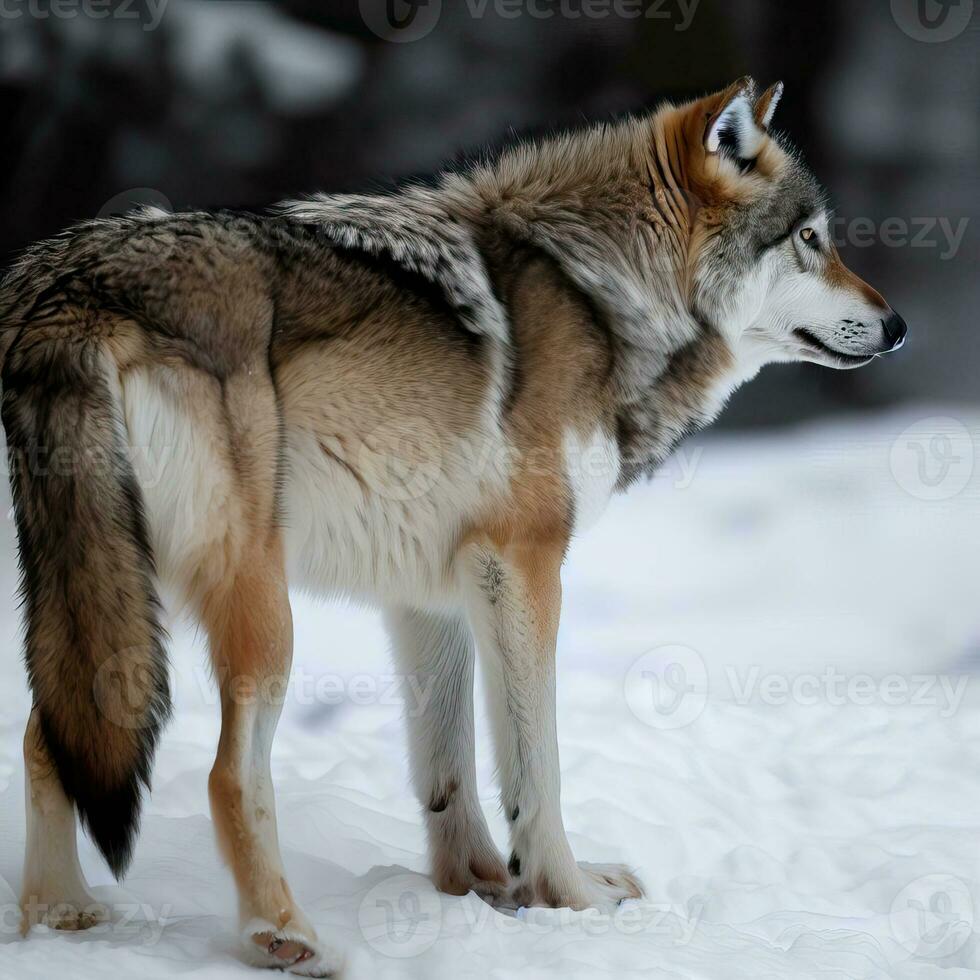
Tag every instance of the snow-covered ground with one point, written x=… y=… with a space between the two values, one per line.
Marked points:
x=769 y=704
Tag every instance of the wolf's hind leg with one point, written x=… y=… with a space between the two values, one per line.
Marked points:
x=54 y=890
x=250 y=628
x=436 y=654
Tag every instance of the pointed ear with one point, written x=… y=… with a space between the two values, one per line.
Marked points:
x=765 y=108
x=732 y=128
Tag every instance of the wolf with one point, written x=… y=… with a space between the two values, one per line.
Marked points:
x=415 y=399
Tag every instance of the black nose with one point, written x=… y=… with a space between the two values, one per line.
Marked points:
x=895 y=330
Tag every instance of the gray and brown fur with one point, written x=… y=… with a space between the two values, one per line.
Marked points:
x=588 y=289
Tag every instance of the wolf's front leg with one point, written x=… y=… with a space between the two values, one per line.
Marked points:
x=436 y=654
x=514 y=598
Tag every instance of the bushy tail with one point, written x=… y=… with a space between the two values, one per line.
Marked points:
x=94 y=650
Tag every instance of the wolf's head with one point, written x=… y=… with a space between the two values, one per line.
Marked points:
x=762 y=266
x=695 y=216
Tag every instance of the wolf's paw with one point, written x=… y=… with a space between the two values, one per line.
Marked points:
x=482 y=871
x=611 y=884
x=73 y=919
x=492 y=891
x=68 y=915
x=277 y=948
x=583 y=886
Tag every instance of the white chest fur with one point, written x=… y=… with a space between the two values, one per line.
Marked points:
x=592 y=466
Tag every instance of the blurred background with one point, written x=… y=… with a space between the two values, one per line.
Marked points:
x=204 y=103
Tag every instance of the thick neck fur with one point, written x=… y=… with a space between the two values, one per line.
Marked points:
x=612 y=209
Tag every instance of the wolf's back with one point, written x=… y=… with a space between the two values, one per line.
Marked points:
x=94 y=651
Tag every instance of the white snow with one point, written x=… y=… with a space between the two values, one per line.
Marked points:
x=806 y=603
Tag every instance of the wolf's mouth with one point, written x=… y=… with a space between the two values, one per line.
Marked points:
x=812 y=340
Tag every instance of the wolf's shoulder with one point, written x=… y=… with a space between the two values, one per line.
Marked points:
x=417 y=230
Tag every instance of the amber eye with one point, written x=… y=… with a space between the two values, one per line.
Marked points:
x=809 y=236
